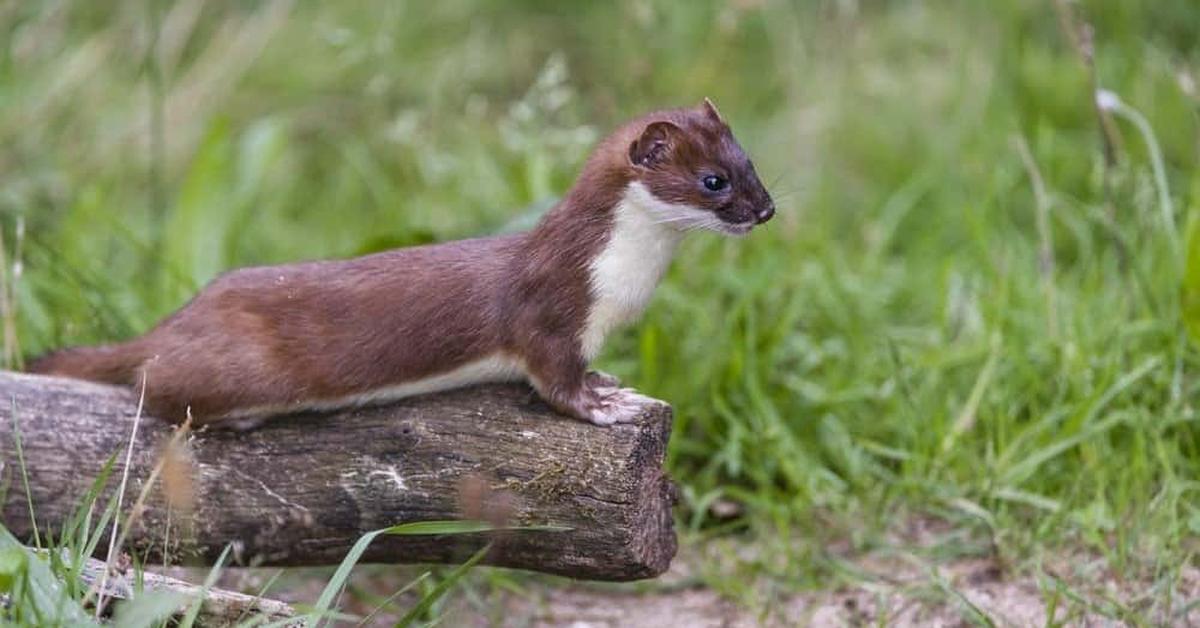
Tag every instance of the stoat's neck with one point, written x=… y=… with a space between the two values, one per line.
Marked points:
x=629 y=266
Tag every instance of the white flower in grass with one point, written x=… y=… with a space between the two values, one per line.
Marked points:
x=1107 y=100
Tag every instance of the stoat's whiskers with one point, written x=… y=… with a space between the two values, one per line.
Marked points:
x=687 y=220
x=694 y=221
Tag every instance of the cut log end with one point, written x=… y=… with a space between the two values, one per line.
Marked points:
x=301 y=490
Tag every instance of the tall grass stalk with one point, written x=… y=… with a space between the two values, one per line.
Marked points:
x=1110 y=101
x=1042 y=203
x=37 y=538
x=112 y=539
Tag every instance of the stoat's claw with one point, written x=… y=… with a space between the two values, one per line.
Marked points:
x=600 y=379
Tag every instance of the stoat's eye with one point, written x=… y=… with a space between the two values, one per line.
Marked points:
x=714 y=183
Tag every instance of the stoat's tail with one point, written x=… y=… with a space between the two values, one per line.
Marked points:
x=110 y=364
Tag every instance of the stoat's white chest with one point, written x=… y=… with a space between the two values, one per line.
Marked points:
x=623 y=276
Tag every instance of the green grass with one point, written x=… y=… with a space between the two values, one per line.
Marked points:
x=903 y=341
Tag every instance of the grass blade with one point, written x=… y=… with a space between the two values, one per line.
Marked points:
x=334 y=587
x=45 y=595
x=37 y=539
x=442 y=587
x=150 y=608
x=189 y=619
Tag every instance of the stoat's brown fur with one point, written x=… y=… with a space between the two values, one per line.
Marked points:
x=534 y=306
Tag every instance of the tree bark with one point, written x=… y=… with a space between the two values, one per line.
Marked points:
x=301 y=489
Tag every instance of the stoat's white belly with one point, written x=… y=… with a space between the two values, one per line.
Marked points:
x=629 y=267
x=492 y=369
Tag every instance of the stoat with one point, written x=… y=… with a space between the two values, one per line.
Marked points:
x=534 y=306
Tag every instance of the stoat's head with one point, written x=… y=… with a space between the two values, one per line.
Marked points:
x=692 y=174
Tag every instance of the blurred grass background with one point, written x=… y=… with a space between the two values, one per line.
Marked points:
x=921 y=333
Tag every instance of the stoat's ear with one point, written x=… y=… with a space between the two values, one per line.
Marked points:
x=711 y=111
x=654 y=145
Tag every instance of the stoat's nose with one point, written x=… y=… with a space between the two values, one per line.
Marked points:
x=764 y=213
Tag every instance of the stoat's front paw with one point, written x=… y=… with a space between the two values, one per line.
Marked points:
x=620 y=405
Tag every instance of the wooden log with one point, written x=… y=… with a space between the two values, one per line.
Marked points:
x=218 y=608
x=300 y=490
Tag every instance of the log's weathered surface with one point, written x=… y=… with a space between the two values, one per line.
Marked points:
x=300 y=490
